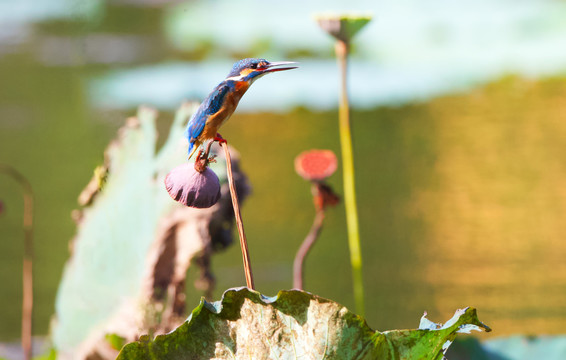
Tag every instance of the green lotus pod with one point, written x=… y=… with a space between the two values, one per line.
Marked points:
x=342 y=27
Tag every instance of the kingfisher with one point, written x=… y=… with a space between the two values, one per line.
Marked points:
x=223 y=100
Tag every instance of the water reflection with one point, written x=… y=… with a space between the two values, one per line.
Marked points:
x=95 y=49
x=312 y=86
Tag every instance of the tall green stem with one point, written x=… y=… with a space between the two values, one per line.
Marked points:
x=349 y=183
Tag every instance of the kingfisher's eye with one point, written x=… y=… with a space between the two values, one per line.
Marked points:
x=254 y=66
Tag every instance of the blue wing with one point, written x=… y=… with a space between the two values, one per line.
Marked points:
x=210 y=106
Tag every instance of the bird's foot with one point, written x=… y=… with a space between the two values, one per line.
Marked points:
x=220 y=139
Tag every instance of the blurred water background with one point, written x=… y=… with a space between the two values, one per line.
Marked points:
x=459 y=135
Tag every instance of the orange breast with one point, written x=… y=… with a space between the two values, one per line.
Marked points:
x=231 y=102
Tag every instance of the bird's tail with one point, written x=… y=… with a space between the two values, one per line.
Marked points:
x=193 y=147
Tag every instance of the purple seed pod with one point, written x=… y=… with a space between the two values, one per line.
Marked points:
x=192 y=188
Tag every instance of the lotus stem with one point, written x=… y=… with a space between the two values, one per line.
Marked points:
x=239 y=222
x=342 y=49
x=27 y=272
x=298 y=273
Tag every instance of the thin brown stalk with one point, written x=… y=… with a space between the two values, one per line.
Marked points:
x=239 y=222
x=310 y=239
x=27 y=273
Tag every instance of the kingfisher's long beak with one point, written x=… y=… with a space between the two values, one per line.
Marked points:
x=273 y=66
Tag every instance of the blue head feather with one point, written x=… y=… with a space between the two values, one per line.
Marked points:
x=244 y=64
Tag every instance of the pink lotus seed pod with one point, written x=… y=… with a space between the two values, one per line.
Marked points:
x=316 y=165
x=191 y=188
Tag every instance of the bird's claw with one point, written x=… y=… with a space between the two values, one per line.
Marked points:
x=220 y=139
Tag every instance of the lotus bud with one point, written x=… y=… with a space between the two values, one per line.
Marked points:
x=192 y=188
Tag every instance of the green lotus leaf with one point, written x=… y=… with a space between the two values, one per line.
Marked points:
x=292 y=325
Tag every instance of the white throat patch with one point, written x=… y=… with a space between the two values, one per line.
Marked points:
x=236 y=78
x=242 y=77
